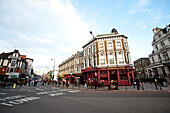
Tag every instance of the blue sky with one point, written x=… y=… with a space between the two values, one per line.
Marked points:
x=45 y=29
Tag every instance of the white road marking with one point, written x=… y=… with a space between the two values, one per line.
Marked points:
x=2 y=93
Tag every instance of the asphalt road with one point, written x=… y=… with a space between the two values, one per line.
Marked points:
x=48 y=99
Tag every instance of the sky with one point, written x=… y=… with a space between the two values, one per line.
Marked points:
x=56 y=29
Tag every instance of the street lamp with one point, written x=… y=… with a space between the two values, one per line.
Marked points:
x=94 y=58
x=53 y=69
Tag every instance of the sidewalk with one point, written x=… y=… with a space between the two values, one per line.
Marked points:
x=146 y=87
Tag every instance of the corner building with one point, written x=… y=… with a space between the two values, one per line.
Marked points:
x=112 y=60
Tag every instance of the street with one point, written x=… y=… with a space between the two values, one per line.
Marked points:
x=48 y=99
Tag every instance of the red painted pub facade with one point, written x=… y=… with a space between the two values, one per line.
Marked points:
x=121 y=75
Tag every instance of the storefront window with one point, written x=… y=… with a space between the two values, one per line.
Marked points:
x=123 y=77
x=103 y=72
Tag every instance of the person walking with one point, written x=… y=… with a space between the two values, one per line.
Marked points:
x=156 y=84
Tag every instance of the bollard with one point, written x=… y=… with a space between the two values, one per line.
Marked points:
x=14 y=86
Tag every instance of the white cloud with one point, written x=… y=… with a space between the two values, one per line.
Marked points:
x=124 y=21
x=143 y=27
x=143 y=3
x=139 y=6
x=43 y=29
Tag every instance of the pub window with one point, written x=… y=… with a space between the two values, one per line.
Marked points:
x=120 y=58
x=101 y=46
x=109 y=45
x=125 y=45
x=102 y=60
x=123 y=77
x=118 y=45
x=103 y=72
x=111 y=58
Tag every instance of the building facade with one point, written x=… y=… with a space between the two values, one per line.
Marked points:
x=107 y=58
x=140 y=68
x=160 y=57
x=71 y=66
x=13 y=63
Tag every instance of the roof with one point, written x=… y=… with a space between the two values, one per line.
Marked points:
x=104 y=36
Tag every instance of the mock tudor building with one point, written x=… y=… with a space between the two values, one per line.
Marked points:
x=112 y=59
x=13 y=64
x=160 y=57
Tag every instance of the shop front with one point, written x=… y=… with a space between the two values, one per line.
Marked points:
x=119 y=75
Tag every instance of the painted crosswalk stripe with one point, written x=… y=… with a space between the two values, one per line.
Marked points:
x=2 y=93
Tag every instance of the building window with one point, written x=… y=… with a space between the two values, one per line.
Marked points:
x=89 y=50
x=159 y=35
x=156 y=47
x=102 y=60
x=5 y=63
x=81 y=60
x=162 y=44
x=109 y=45
x=125 y=45
x=101 y=46
x=127 y=57
x=118 y=45
x=89 y=61
x=165 y=54
x=120 y=58
x=13 y=63
x=77 y=69
x=82 y=67
x=85 y=52
x=159 y=57
x=153 y=60
x=111 y=58
x=0 y=61
x=77 y=60
x=85 y=63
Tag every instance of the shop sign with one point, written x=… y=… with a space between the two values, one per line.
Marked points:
x=13 y=75
x=113 y=68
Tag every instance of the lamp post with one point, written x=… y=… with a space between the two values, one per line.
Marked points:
x=53 y=69
x=94 y=59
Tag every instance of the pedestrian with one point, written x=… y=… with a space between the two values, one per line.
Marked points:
x=91 y=84
x=159 y=83
x=156 y=84
x=134 y=83
x=138 y=85
x=85 y=84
